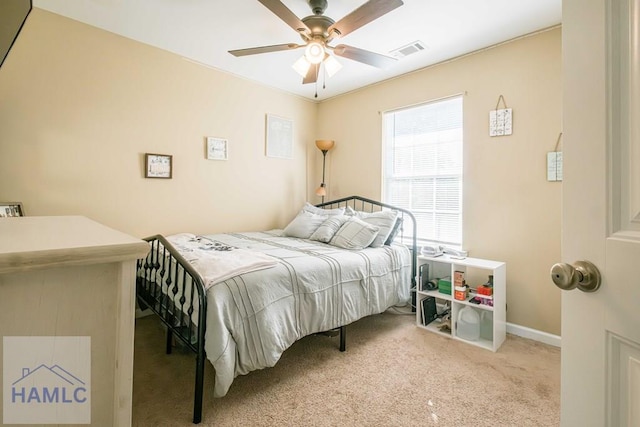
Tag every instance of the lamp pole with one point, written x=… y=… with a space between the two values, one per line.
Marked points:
x=324 y=145
x=324 y=159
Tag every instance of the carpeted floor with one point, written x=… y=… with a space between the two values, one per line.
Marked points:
x=392 y=374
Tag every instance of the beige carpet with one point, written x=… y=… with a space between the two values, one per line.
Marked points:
x=392 y=374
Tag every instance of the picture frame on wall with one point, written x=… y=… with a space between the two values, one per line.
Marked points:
x=279 y=137
x=158 y=166
x=11 y=209
x=217 y=148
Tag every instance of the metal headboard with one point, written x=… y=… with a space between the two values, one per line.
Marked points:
x=367 y=205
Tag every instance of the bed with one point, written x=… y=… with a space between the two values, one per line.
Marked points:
x=241 y=299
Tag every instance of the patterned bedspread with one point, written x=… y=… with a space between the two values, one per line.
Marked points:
x=252 y=318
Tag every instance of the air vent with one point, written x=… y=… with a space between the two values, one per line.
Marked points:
x=409 y=49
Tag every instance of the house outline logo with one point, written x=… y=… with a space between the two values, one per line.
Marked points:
x=46 y=380
x=69 y=388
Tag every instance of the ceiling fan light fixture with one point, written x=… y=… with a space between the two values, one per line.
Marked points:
x=332 y=66
x=301 y=66
x=314 y=52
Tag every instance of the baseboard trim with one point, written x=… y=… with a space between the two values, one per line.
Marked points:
x=534 y=334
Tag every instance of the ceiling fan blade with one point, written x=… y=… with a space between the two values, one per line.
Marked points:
x=371 y=10
x=312 y=74
x=364 y=56
x=283 y=12
x=265 y=49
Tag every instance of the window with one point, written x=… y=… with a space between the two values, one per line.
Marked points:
x=423 y=167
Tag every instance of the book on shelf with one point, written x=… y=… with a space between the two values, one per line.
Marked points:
x=429 y=311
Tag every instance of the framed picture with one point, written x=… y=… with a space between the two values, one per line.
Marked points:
x=279 y=137
x=217 y=148
x=157 y=165
x=11 y=209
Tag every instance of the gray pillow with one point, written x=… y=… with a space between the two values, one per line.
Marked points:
x=355 y=234
x=328 y=228
x=394 y=231
x=384 y=220
x=303 y=225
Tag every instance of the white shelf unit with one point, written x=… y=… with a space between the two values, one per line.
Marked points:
x=476 y=273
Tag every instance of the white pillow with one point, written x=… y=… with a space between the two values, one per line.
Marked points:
x=384 y=220
x=328 y=228
x=349 y=211
x=355 y=234
x=303 y=225
x=308 y=207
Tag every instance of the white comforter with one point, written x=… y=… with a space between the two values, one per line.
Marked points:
x=254 y=317
x=216 y=261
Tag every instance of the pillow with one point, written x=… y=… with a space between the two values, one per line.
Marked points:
x=303 y=225
x=384 y=220
x=328 y=228
x=308 y=207
x=394 y=231
x=355 y=234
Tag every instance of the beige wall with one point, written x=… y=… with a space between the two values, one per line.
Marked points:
x=80 y=106
x=511 y=212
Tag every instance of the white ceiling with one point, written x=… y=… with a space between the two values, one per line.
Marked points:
x=204 y=30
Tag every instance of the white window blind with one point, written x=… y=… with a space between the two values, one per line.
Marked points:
x=423 y=167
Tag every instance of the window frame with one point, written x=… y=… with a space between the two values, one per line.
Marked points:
x=388 y=138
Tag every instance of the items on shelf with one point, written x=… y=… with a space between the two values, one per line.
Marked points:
x=429 y=312
x=468 y=324
x=427 y=284
x=455 y=253
x=460 y=293
x=434 y=251
x=444 y=285
x=458 y=278
x=459 y=286
x=431 y=250
x=482 y=299
x=484 y=293
x=486 y=325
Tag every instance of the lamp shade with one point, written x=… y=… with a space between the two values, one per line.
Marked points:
x=301 y=66
x=325 y=144
x=332 y=65
x=321 y=191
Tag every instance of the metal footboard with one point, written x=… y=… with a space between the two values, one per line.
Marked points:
x=168 y=285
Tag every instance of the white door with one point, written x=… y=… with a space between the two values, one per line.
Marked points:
x=601 y=211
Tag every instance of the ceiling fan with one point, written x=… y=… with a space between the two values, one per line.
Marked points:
x=318 y=30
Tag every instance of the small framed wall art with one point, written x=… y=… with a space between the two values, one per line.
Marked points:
x=217 y=148
x=11 y=209
x=158 y=165
x=279 y=137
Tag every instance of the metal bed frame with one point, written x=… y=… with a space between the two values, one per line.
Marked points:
x=165 y=262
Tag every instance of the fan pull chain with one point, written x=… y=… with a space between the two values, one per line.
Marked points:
x=324 y=77
x=317 y=66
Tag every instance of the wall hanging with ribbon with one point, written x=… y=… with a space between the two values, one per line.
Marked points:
x=501 y=120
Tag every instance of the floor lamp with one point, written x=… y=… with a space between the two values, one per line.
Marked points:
x=324 y=145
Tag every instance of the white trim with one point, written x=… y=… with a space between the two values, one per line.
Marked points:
x=534 y=334
x=125 y=331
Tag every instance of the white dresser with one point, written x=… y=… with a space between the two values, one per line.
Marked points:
x=69 y=276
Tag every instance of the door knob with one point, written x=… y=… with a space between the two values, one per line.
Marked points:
x=582 y=275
